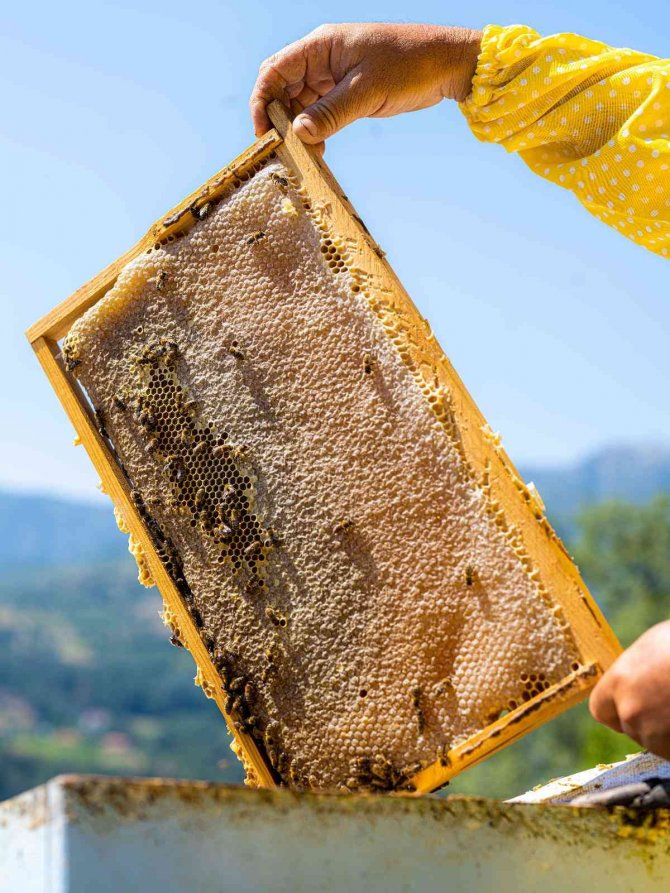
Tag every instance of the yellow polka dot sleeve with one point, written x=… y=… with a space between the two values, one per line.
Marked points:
x=593 y=119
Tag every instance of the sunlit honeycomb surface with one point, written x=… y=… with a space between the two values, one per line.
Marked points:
x=362 y=606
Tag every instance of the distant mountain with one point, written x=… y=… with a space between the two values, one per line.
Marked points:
x=631 y=474
x=41 y=531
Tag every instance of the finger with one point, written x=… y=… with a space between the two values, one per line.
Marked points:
x=603 y=706
x=658 y=744
x=340 y=106
x=293 y=90
x=308 y=96
x=296 y=108
x=319 y=76
x=286 y=68
x=306 y=62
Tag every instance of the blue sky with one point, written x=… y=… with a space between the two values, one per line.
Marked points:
x=113 y=111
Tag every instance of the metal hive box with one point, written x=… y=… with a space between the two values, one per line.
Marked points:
x=371 y=594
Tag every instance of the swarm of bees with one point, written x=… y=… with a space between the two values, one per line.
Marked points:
x=378 y=775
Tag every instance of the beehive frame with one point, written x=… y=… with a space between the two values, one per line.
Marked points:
x=481 y=449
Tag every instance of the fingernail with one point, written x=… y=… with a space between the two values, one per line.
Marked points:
x=306 y=123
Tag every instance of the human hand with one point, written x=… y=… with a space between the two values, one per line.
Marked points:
x=634 y=694
x=339 y=73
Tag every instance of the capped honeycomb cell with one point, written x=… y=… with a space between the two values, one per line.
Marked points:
x=367 y=603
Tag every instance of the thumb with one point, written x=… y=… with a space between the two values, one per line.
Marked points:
x=346 y=102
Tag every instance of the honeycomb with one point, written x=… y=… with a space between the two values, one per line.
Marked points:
x=363 y=600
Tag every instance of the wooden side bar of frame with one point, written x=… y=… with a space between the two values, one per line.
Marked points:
x=480 y=447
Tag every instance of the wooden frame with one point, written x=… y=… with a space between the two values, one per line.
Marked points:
x=480 y=447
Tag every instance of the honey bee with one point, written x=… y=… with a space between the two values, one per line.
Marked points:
x=470 y=573
x=237 y=684
x=283 y=764
x=199 y=448
x=443 y=686
x=280 y=181
x=200 y=498
x=176 y=641
x=229 y=494
x=119 y=402
x=271 y=667
x=343 y=526
x=253 y=586
x=226 y=533
x=368 y=363
x=204 y=210
x=271 y=538
x=100 y=423
x=161 y=276
x=71 y=364
x=442 y=755
x=238 y=705
x=252 y=549
x=416 y=704
x=254 y=238
x=272 y=754
x=275 y=617
x=206 y=524
x=235 y=351
x=146 y=419
x=169 y=465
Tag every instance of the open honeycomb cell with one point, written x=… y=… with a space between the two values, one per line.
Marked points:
x=364 y=603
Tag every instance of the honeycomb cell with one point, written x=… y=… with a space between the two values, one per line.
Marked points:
x=364 y=603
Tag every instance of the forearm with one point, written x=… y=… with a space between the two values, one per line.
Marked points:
x=592 y=119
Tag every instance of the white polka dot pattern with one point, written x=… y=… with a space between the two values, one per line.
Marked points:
x=593 y=119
